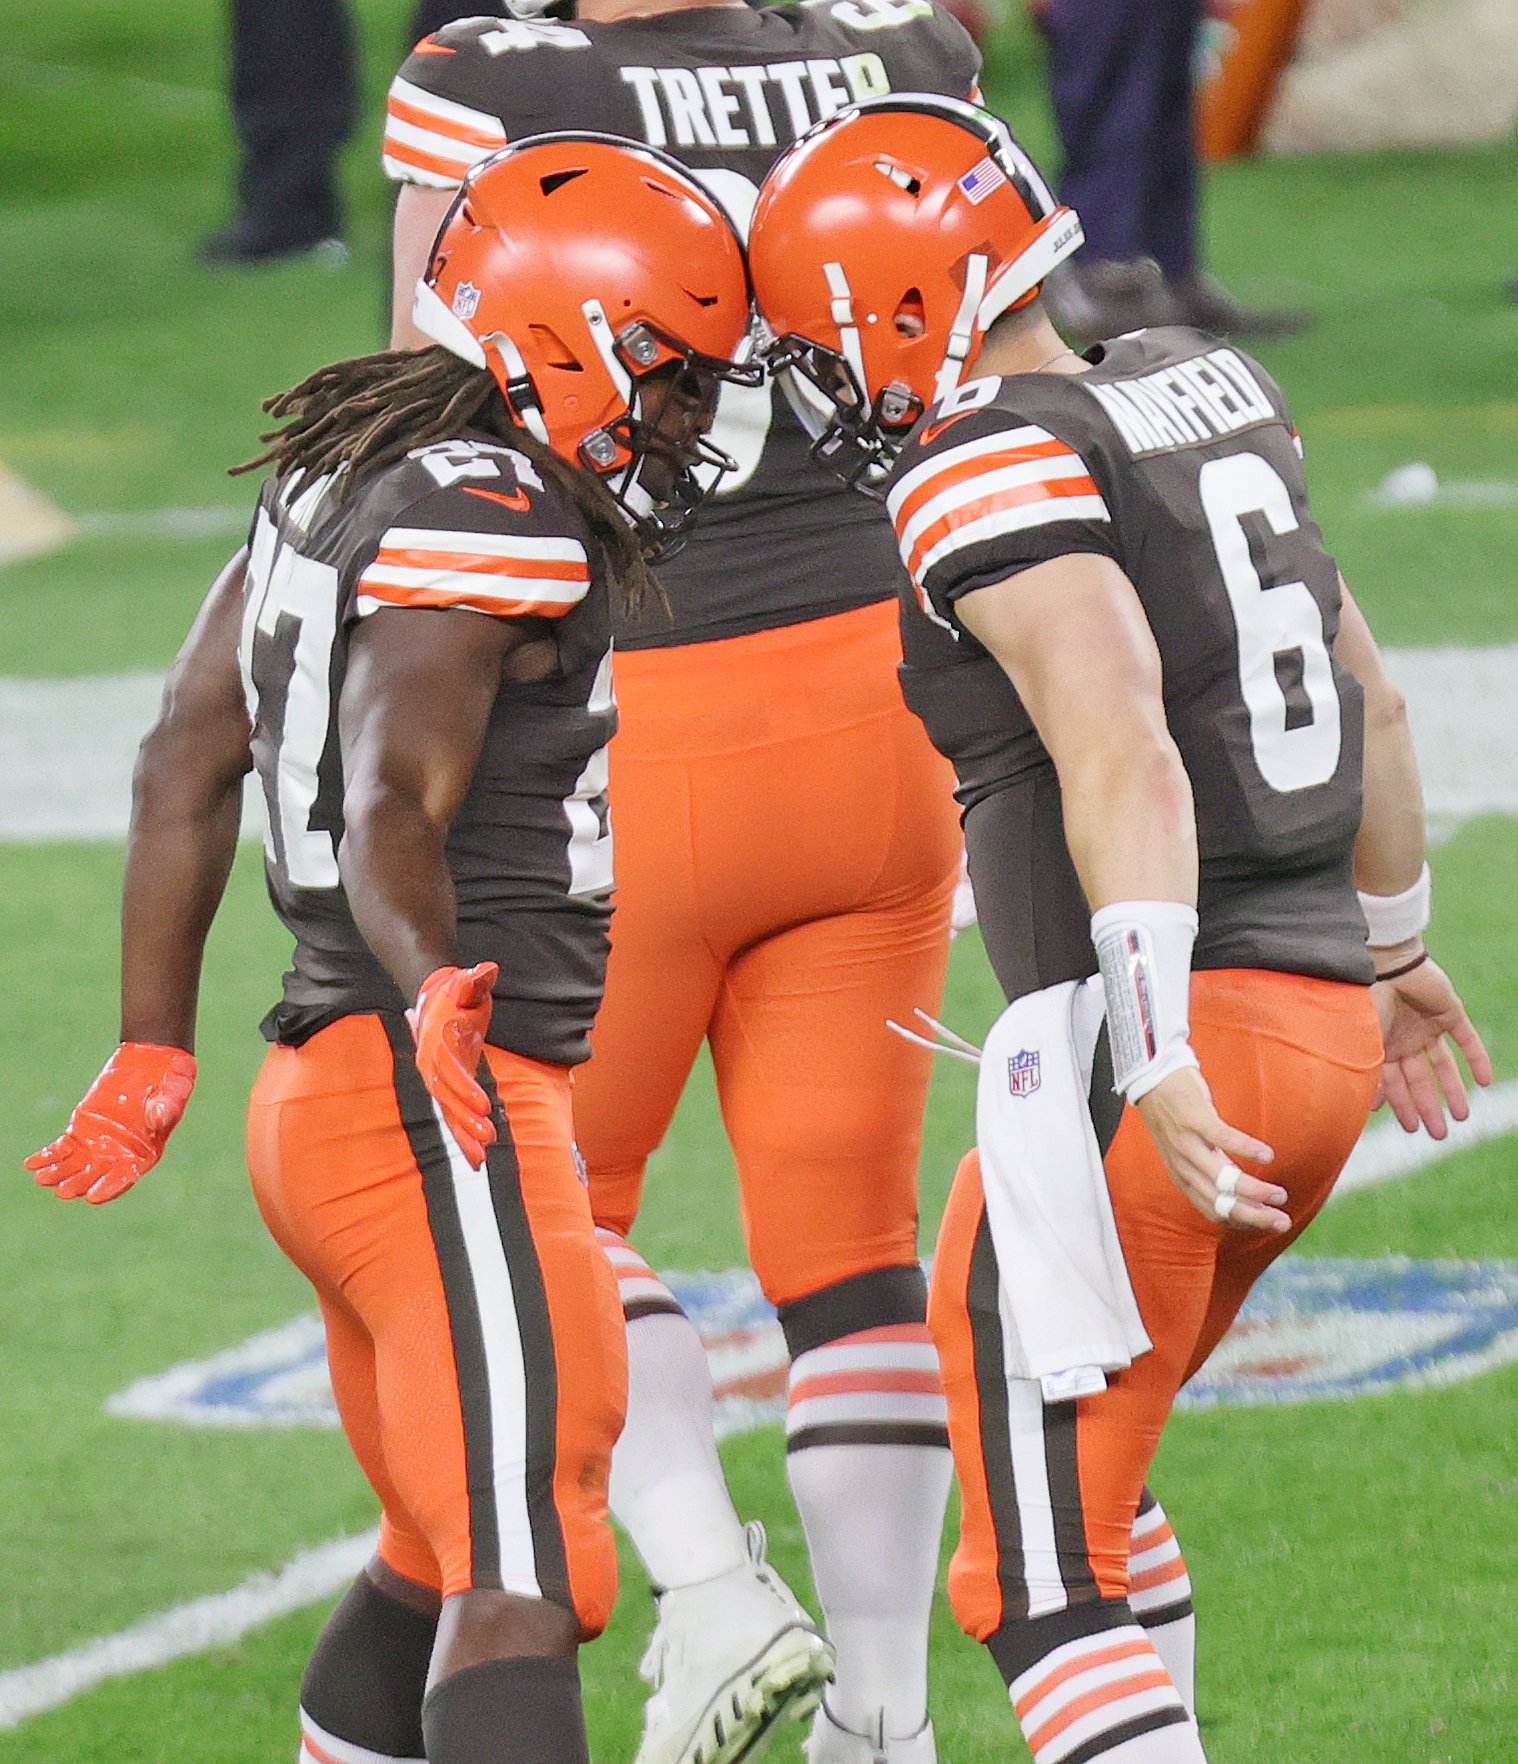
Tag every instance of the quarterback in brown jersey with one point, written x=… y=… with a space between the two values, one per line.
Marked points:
x=413 y=651
x=786 y=851
x=1179 y=756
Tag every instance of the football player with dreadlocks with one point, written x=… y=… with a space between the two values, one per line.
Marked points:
x=786 y=853
x=1179 y=754
x=414 y=653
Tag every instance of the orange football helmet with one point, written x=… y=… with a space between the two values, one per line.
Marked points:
x=884 y=245
x=573 y=266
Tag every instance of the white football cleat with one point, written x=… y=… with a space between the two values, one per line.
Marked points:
x=730 y=1657
x=828 y=1743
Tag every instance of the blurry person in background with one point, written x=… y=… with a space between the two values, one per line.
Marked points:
x=294 y=103
x=1121 y=83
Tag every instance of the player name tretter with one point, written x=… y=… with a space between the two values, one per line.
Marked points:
x=743 y=106
x=1197 y=400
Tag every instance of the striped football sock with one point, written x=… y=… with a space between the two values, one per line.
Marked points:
x=1106 y=1695
x=870 y=1470
x=1159 y=1594
x=667 y=1489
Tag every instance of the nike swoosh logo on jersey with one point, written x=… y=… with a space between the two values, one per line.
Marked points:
x=518 y=499
x=934 y=430
x=428 y=47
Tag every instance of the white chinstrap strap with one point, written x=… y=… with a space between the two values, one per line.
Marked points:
x=1143 y=948
x=1393 y=918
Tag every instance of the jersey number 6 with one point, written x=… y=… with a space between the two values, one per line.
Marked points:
x=1280 y=629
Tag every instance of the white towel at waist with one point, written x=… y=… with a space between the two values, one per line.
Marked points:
x=1067 y=1309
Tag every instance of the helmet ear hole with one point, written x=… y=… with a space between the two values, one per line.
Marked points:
x=910 y=317
x=555 y=350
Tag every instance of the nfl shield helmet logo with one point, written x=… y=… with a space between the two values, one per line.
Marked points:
x=466 y=300
x=1023 y=1073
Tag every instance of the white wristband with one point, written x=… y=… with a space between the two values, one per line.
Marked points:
x=1143 y=948
x=1393 y=918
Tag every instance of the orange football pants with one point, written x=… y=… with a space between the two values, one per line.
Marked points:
x=473 y=1331
x=1292 y=1061
x=787 y=845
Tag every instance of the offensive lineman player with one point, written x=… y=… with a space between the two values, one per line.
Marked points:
x=422 y=620
x=1120 y=607
x=785 y=856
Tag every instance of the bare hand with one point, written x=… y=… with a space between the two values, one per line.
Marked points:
x=1420 y=1014
x=1197 y=1147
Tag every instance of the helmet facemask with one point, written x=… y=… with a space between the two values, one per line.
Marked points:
x=855 y=437
x=649 y=456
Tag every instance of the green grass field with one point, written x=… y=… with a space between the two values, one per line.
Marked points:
x=1354 y=1562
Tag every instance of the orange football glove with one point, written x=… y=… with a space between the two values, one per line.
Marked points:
x=448 y=1022
x=122 y=1124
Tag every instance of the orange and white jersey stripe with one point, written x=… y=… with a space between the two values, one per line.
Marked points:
x=985 y=488
x=1106 y=1686
x=432 y=140
x=512 y=575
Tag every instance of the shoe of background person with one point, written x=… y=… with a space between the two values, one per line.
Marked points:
x=253 y=239
x=829 y=1743
x=730 y=1657
x=1108 y=297
x=1200 y=301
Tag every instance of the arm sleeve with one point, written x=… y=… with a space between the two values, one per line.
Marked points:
x=991 y=504
x=495 y=550
x=438 y=116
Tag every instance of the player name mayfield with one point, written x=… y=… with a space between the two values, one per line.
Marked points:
x=1195 y=400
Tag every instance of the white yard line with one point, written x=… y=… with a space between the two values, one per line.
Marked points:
x=1385 y=1152
x=186 y=1629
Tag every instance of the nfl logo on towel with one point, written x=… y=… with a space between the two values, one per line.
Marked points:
x=1022 y=1073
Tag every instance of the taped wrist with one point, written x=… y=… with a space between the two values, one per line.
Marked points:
x=1143 y=948
x=1394 y=918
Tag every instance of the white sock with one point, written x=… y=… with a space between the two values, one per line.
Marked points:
x=873 y=1515
x=1160 y=1595
x=1091 y=1694
x=667 y=1487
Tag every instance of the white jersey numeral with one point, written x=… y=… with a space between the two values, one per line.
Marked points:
x=292 y=607
x=590 y=862
x=879 y=15
x=1272 y=622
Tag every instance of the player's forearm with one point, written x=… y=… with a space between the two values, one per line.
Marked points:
x=1129 y=821
x=397 y=882
x=1390 y=848
x=179 y=854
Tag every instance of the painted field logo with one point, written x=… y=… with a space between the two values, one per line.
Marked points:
x=1337 y=1327
x=1023 y=1076
x=1312 y=1329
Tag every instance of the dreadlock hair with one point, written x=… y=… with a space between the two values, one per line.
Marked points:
x=367 y=413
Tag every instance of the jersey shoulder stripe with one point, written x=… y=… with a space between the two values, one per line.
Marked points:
x=982 y=489
x=508 y=575
x=433 y=140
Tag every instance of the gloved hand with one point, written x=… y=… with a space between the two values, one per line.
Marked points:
x=122 y=1124
x=448 y=1022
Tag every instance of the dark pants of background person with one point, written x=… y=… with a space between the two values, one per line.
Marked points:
x=294 y=103
x=1120 y=78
